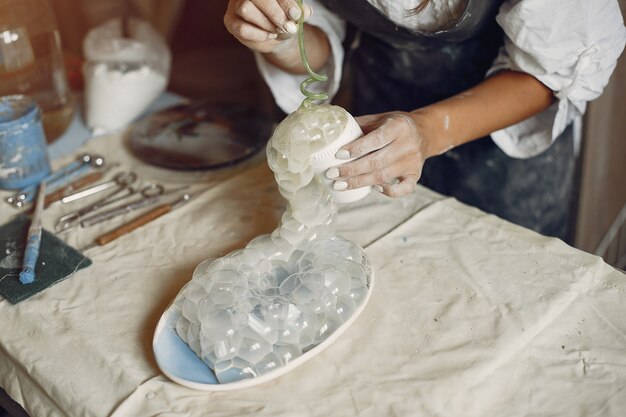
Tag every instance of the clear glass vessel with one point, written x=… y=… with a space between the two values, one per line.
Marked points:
x=31 y=62
x=23 y=151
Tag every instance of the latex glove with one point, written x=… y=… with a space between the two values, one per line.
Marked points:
x=264 y=25
x=390 y=155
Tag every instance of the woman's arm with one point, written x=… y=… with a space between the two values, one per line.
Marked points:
x=502 y=100
x=395 y=145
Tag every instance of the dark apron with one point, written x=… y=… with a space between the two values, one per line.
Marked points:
x=393 y=68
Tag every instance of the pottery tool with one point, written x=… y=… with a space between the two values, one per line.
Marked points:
x=58 y=179
x=82 y=182
x=31 y=253
x=123 y=179
x=137 y=222
x=25 y=195
x=151 y=194
x=121 y=192
x=60 y=196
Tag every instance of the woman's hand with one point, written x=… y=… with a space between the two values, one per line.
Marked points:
x=390 y=155
x=395 y=145
x=264 y=25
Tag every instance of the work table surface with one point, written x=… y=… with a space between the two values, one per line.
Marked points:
x=470 y=315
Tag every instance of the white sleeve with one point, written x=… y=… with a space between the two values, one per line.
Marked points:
x=285 y=86
x=571 y=46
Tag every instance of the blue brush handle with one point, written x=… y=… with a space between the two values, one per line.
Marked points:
x=31 y=254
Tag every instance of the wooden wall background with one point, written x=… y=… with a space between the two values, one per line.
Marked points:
x=603 y=171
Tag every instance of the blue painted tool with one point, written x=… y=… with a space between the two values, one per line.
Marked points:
x=31 y=253
x=23 y=149
x=56 y=175
x=58 y=179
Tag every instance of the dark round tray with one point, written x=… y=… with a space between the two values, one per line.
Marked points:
x=199 y=135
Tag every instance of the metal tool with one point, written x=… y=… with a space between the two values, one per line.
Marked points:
x=52 y=199
x=95 y=162
x=138 y=222
x=149 y=195
x=122 y=181
x=56 y=197
x=58 y=179
x=20 y=198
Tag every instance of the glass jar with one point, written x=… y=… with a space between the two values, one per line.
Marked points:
x=23 y=150
x=31 y=62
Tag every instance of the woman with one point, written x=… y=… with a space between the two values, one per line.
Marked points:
x=435 y=77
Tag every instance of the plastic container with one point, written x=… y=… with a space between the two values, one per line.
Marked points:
x=124 y=72
x=325 y=158
x=31 y=62
x=23 y=150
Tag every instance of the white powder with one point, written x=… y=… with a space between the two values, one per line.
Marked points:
x=124 y=73
x=114 y=97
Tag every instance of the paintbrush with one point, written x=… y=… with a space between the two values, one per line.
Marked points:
x=31 y=253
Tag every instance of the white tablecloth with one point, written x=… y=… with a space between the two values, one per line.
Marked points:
x=470 y=315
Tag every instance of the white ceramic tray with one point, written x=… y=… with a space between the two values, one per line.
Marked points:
x=180 y=364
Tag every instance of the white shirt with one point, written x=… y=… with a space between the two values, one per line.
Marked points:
x=571 y=46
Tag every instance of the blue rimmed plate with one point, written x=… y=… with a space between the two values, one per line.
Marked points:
x=180 y=364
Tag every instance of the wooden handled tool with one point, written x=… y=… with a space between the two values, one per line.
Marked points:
x=76 y=185
x=137 y=222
